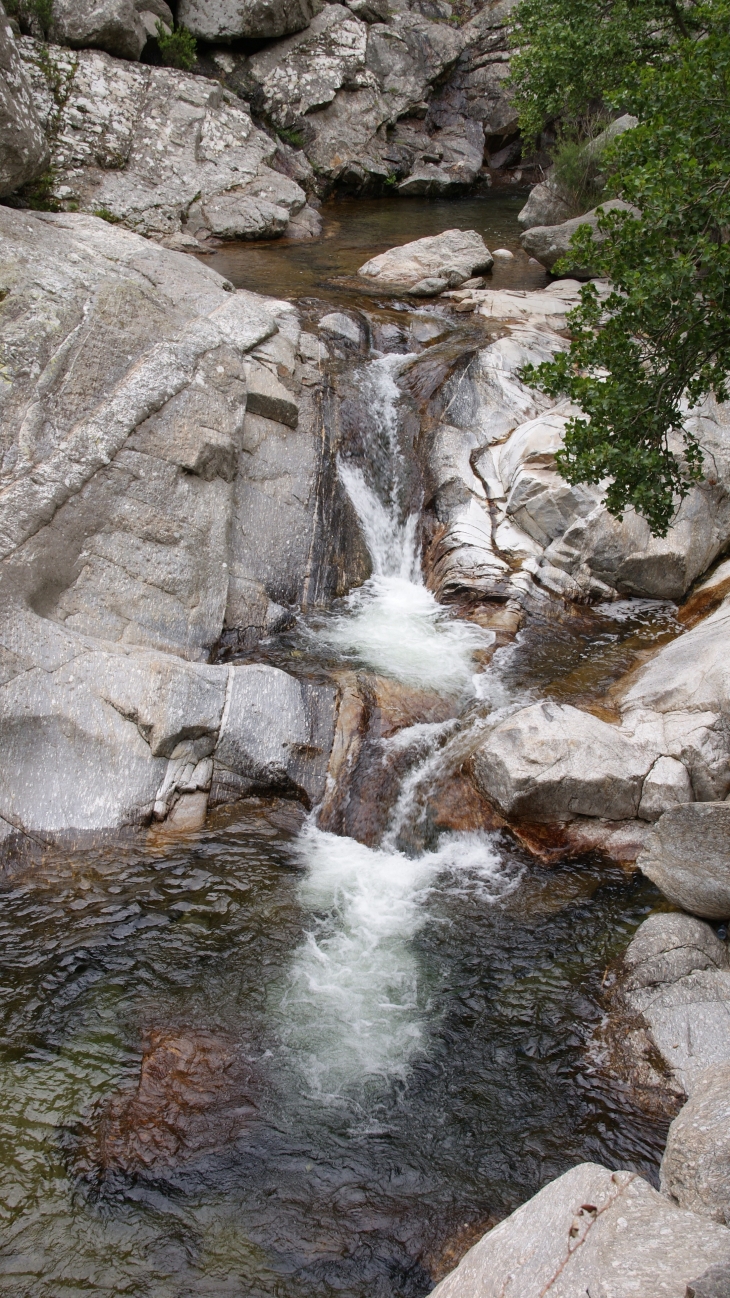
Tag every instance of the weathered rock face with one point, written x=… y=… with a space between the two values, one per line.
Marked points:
x=713 y=1283
x=695 y=1170
x=449 y=258
x=535 y=766
x=165 y=153
x=549 y=243
x=688 y=857
x=223 y=20
x=127 y=456
x=674 y=980
x=111 y=25
x=589 y=1229
x=23 y=148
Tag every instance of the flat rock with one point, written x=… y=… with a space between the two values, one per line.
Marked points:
x=453 y=256
x=534 y=766
x=591 y=1231
x=688 y=857
x=24 y=151
x=695 y=1171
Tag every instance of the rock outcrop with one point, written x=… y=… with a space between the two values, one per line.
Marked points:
x=688 y=857
x=169 y=155
x=592 y=1231
x=142 y=512
x=111 y=25
x=23 y=147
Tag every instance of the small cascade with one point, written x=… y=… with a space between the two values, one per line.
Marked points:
x=356 y=1006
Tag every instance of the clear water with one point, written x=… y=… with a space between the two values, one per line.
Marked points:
x=270 y=1060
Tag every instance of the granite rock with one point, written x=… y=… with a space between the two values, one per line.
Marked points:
x=688 y=857
x=695 y=1171
x=23 y=148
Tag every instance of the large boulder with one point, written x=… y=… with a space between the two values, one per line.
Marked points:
x=126 y=441
x=23 y=148
x=552 y=762
x=165 y=153
x=591 y=1231
x=688 y=857
x=550 y=243
x=225 y=20
x=671 y=1015
x=451 y=257
x=695 y=1169
x=111 y=25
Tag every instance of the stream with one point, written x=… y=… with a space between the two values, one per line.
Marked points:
x=280 y=1060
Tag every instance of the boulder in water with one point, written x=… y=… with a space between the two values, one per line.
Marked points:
x=688 y=857
x=453 y=257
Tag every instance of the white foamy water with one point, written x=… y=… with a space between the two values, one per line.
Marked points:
x=355 y=1007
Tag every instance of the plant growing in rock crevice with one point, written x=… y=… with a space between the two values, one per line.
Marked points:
x=178 y=47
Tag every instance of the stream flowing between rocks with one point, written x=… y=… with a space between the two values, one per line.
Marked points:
x=303 y=1055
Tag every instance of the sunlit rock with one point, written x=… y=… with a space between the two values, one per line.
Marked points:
x=589 y=1228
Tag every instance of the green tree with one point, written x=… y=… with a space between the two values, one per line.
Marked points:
x=661 y=341
x=177 y=47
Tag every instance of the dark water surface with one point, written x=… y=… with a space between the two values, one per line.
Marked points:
x=274 y=1185
x=356 y=229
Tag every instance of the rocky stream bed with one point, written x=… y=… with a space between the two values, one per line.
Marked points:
x=364 y=876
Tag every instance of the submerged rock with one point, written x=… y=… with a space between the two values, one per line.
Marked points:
x=24 y=151
x=451 y=257
x=688 y=857
x=590 y=1231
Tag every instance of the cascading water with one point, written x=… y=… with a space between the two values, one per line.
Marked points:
x=356 y=1007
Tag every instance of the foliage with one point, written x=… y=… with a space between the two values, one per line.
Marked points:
x=579 y=171
x=178 y=47
x=106 y=215
x=574 y=55
x=38 y=194
x=661 y=341
x=291 y=136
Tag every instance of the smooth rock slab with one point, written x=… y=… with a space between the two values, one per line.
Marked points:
x=591 y=1231
x=23 y=148
x=453 y=256
x=695 y=1169
x=552 y=762
x=688 y=857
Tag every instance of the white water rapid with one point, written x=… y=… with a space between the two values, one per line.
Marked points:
x=355 y=1006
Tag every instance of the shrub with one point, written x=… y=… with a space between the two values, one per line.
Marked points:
x=177 y=47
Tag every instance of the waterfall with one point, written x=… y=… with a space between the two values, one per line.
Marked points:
x=355 y=1007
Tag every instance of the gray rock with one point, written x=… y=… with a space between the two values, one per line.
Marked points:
x=688 y=857
x=268 y=397
x=159 y=150
x=276 y=731
x=453 y=256
x=429 y=287
x=533 y=766
x=591 y=1231
x=24 y=152
x=111 y=25
x=342 y=326
x=224 y=20
x=549 y=243
x=675 y=977
x=695 y=1169
x=713 y=1283
x=667 y=785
